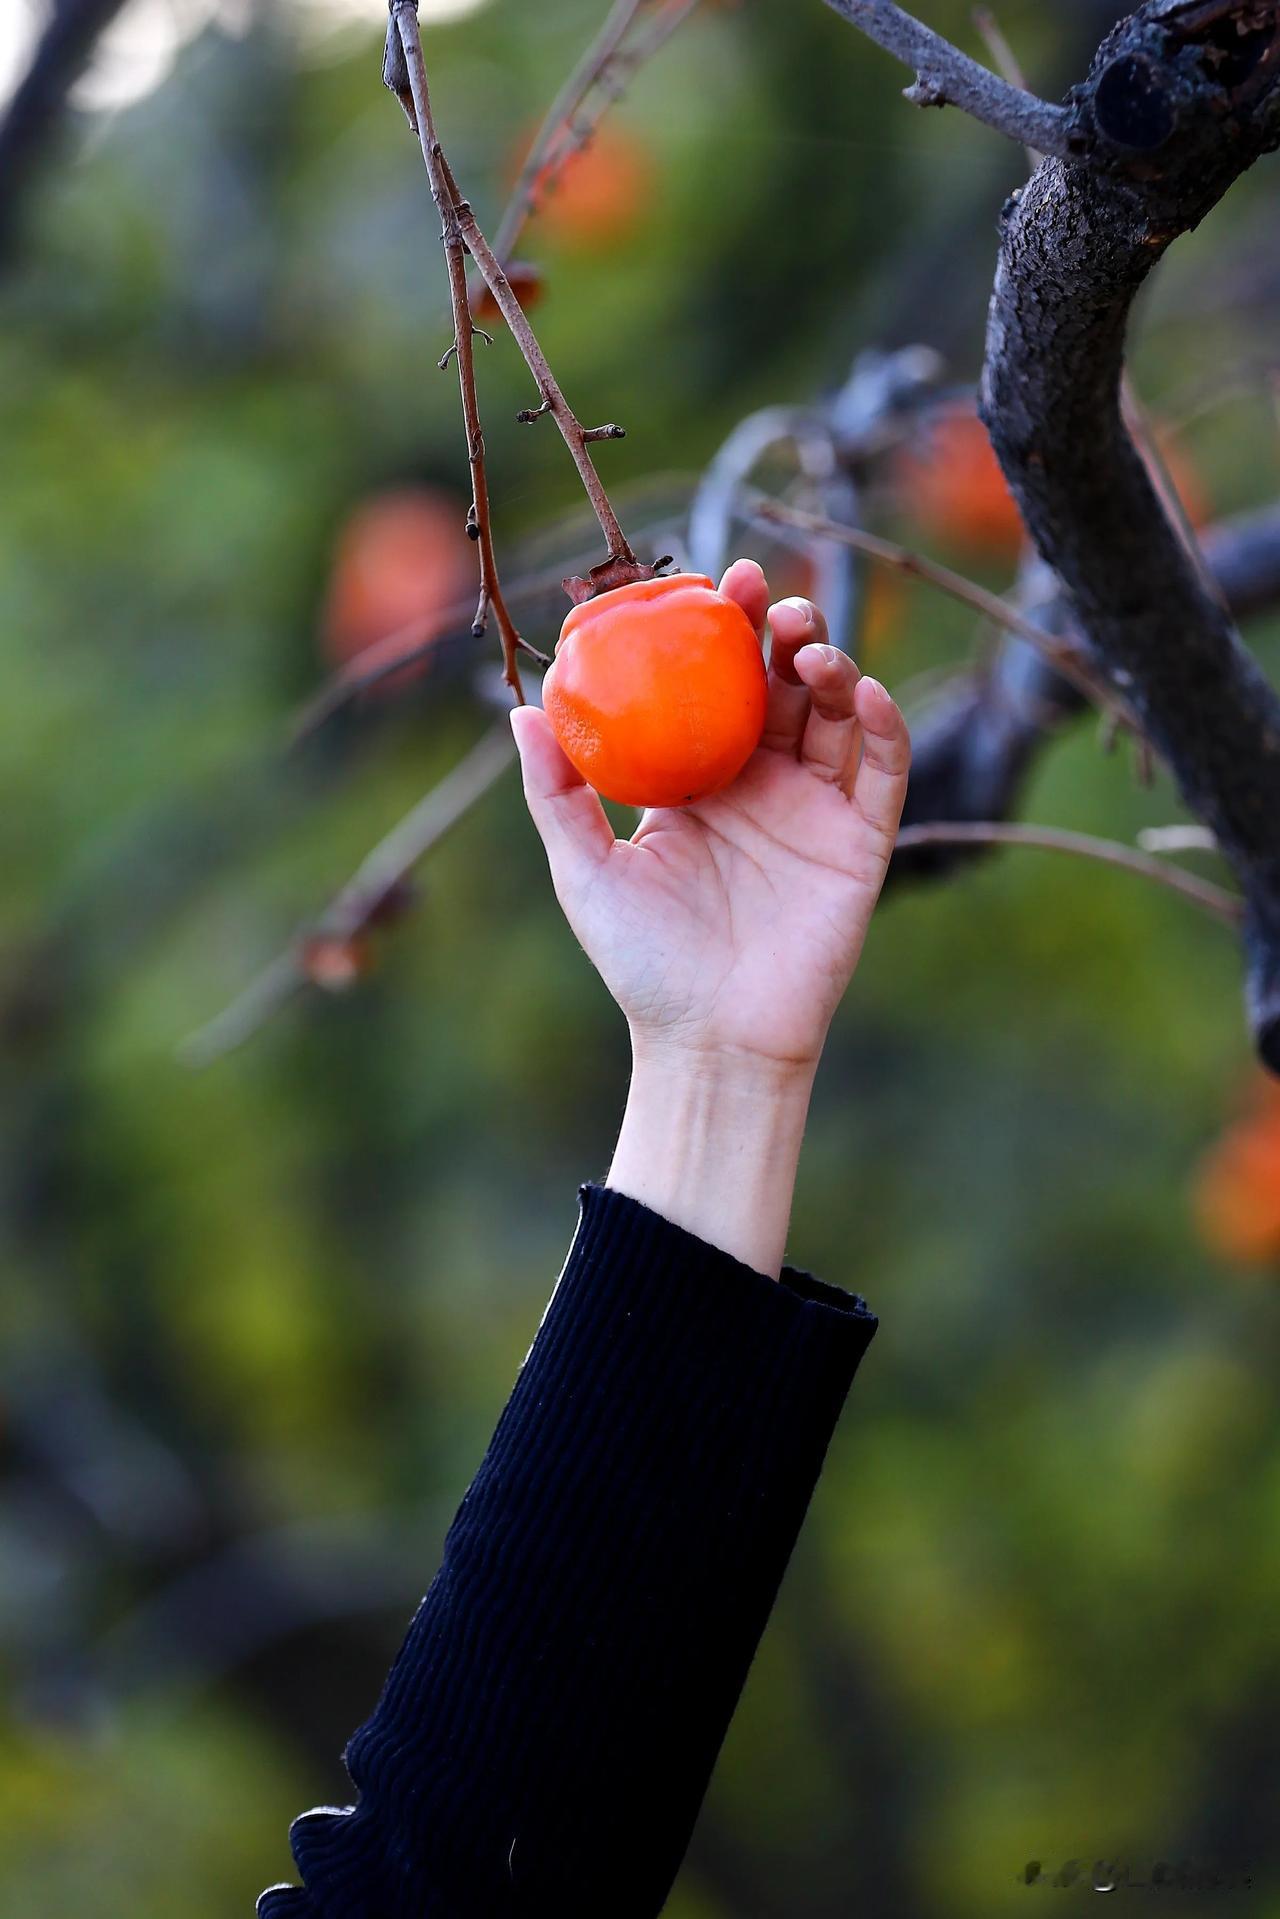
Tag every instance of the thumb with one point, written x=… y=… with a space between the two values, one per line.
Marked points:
x=569 y=817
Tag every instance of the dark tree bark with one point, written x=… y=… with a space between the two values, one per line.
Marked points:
x=35 y=111
x=1183 y=97
x=1180 y=101
x=973 y=753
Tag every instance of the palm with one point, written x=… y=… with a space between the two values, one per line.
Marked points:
x=730 y=922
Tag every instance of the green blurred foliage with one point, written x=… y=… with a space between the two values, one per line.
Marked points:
x=274 y=1308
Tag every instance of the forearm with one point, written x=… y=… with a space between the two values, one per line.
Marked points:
x=712 y=1143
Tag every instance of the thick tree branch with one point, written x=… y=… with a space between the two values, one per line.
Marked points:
x=947 y=77
x=975 y=748
x=32 y=117
x=1182 y=99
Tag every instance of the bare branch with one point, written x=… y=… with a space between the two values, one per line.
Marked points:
x=480 y=522
x=462 y=230
x=356 y=905
x=608 y=63
x=1067 y=658
x=1225 y=906
x=947 y=77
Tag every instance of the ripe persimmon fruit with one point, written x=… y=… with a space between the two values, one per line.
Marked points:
x=1237 y=1197
x=657 y=691
x=594 y=195
x=954 y=487
x=401 y=563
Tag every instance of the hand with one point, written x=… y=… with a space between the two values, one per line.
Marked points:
x=731 y=928
x=728 y=930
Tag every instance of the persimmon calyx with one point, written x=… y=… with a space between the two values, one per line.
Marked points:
x=614 y=572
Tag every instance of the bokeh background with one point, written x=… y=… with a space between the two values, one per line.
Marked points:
x=258 y=1320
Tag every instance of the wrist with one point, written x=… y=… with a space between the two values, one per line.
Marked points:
x=720 y=1069
x=711 y=1140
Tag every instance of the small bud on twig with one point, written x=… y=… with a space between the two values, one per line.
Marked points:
x=395 y=68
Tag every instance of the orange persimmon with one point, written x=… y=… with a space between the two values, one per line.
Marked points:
x=401 y=565
x=596 y=193
x=954 y=489
x=657 y=691
x=1237 y=1193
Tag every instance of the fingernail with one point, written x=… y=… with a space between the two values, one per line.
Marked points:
x=830 y=655
x=802 y=607
x=875 y=685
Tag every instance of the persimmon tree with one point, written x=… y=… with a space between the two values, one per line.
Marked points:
x=1121 y=607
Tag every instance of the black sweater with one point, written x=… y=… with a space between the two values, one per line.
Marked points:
x=549 y=1726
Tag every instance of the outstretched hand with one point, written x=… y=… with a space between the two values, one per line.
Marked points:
x=729 y=929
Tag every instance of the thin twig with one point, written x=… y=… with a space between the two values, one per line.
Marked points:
x=399 y=652
x=462 y=229
x=574 y=116
x=577 y=122
x=584 y=80
x=1225 y=906
x=571 y=429
x=947 y=77
x=350 y=910
x=1006 y=61
x=480 y=520
x=1062 y=655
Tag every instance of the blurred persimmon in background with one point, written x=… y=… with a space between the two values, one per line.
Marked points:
x=402 y=562
x=952 y=486
x=881 y=612
x=1238 y=1188
x=884 y=610
x=526 y=283
x=596 y=195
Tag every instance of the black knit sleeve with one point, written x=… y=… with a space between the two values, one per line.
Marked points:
x=549 y=1727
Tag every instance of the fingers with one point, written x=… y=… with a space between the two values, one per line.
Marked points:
x=793 y=623
x=568 y=815
x=829 y=744
x=745 y=583
x=880 y=786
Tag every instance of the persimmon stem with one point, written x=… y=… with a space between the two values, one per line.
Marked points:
x=549 y=390
x=461 y=231
x=480 y=521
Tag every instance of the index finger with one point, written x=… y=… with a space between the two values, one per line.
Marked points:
x=745 y=583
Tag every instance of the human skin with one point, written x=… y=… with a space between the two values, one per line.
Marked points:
x=727 y=931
